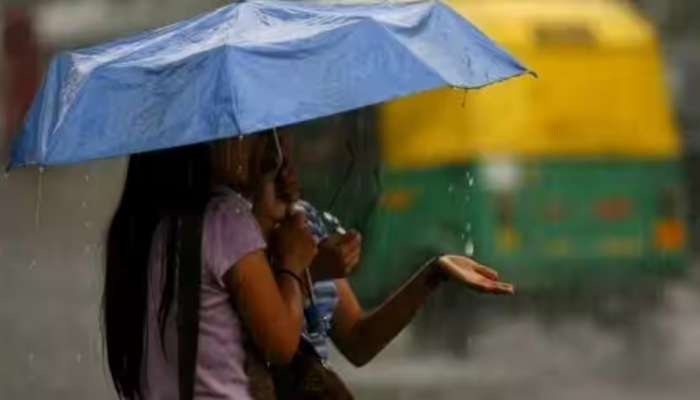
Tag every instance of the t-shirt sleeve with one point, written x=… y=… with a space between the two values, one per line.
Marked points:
x=230 y=233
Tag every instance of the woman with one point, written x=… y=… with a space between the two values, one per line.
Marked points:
x=359 y=334
x=241 y=296
x=245 y=192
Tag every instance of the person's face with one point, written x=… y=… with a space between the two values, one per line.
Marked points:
x=261 y=170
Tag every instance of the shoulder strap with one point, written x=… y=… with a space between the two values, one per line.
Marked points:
x=189 y=267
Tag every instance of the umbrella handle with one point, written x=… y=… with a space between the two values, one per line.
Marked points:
x=278 y=148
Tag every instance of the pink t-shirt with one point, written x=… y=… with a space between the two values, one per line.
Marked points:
x=229 y=232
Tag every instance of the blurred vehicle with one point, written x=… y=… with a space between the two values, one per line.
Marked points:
x=567 y=183
x=21 y=67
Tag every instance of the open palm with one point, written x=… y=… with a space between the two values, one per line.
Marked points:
x=475 y=275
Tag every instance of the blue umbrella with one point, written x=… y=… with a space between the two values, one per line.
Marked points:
x=248 y=67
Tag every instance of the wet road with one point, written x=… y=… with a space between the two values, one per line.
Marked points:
x=522 y=358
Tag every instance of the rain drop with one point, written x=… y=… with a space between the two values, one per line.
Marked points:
x=83 y=204
x=450 y=188
x=39 y=190
x=468 y=227
x=31 y=357
x=470 y=181
x=87 y=178
x=87 y=224
x=79 y=358
x=469 y=248
x=32 y=264
x=87 y=249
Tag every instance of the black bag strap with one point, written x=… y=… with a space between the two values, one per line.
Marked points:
x=189 y=268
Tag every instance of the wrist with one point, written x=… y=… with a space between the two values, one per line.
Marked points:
x=293 y=276
x=294 y=266
x=435 y=275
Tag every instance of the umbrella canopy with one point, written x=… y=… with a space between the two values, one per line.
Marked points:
x=248 y=67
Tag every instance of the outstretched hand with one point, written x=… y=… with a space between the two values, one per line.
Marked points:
x=475 y=275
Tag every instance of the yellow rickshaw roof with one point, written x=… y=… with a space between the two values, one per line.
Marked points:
x=600 y=91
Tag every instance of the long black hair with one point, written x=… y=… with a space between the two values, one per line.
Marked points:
x=159 y=185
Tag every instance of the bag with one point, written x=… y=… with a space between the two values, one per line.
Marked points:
x=306 y=377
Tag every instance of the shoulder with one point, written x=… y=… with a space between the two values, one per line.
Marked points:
x=230 y=232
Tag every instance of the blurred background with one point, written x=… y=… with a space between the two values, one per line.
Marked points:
x=580 y=186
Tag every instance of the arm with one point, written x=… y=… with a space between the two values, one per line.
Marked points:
x=270 y=307
x=360 y=336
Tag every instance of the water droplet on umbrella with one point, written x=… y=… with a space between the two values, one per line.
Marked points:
x=469 y=248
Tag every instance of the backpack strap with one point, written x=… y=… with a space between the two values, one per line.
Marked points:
x=189 y=269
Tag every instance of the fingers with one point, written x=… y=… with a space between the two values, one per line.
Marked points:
x=352 y=258
x=298 y=220
x=466 y=262
x=477 y=276
x=500 y=288
x=352 y=238
x=486 y=271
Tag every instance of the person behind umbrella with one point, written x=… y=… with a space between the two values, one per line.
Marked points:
x=232 y=184
x=360 y=334
x=255 y=253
